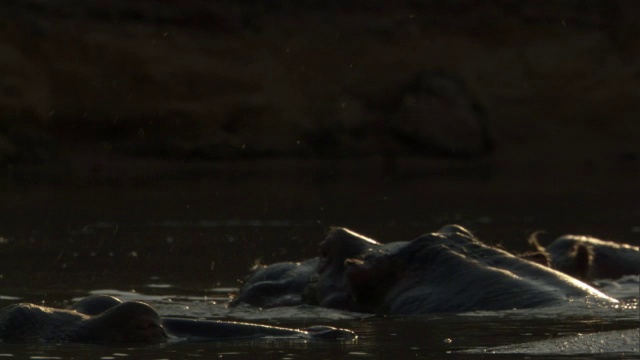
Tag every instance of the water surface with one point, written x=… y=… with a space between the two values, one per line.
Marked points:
x=184 y=242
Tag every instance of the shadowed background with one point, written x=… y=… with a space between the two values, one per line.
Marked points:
x=152 y=137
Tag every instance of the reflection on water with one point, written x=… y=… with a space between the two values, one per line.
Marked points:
x=422 y=338
x=624 y=341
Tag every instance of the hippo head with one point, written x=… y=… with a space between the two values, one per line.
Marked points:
x=588 y=258
x=128 y=322
x=375 y=277
x=571 y=255
x=279 y=284
x=353 y=269
x=328 y=286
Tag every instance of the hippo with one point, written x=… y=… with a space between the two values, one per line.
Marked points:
x=296 y=283
x=436 y=273
x=446 y=271
x=128 y=322
x=279 y=284
x=328 y=286
x=107 y=320
x=588 y=258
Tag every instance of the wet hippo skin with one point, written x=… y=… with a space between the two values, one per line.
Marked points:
x=206 y=330
x=95 y=304
x=451 y=271
x=329 y=286
x=129 y=322
x=280 y=284
x=106 y=319
x=297 y=283
x=446 y=271
x=588 y=258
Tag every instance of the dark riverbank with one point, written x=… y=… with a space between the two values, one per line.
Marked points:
x=508 y=117
x=522 y=82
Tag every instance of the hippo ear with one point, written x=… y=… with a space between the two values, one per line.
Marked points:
x=538 y=257
x=533 y=240
x=336 y=232
x=344 y=234
x=583 y=258
x=343 y=243
x=333 y=229
x=455 y=229
x=333 y=236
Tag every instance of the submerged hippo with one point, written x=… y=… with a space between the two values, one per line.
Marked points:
x=588 y=258
x=280 y=284
x=446 y=271
x=296 y=283
x=129 y=322
x=107 y=320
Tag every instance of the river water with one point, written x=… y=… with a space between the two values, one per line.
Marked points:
x=183 y=243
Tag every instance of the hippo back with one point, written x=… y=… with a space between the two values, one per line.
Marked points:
x=279 y=284
x=28 y=323
x=456 y=272
x=451 y=271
